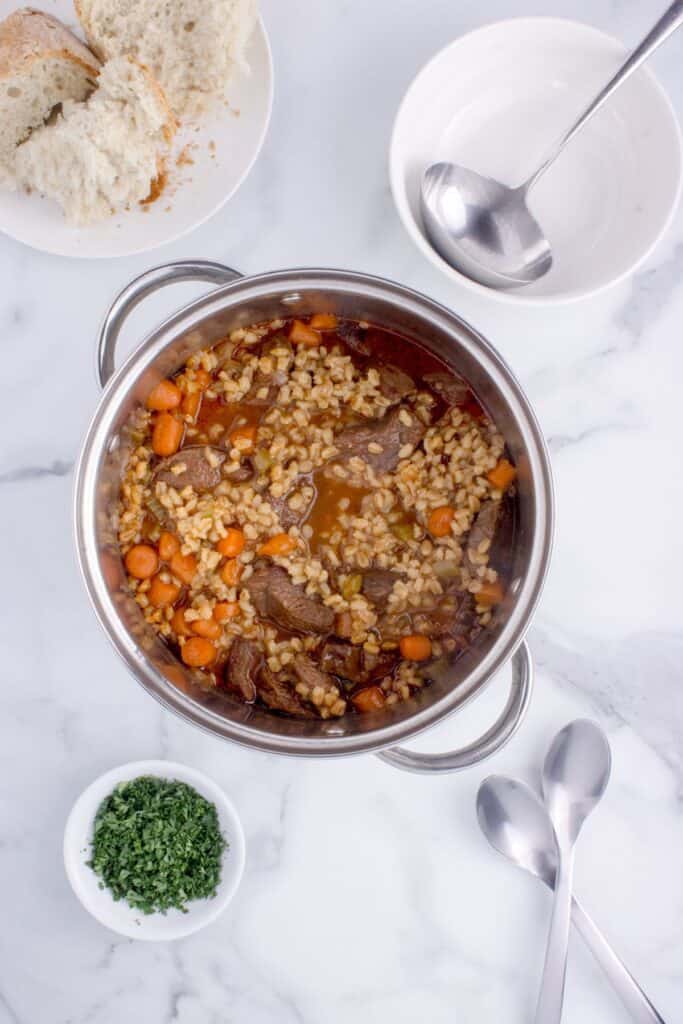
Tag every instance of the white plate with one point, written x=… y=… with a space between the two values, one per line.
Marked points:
x=222 y=146
x=496 y=100
x=118 y=915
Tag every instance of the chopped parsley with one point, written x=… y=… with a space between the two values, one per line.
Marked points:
x=157 y=845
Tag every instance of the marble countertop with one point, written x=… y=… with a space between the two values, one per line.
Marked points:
x=369 y=895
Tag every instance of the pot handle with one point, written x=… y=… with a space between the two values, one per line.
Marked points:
x=492 y=740
x=138 y=289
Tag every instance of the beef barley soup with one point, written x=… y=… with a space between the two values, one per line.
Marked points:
x=311 y=516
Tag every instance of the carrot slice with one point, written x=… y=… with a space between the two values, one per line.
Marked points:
x=142 y=561
x=232 y=544
x=324 y=322
x=167 y=434
x=178 y=623
x=166 y=395
x=225 y=610
x=162 y=594
x=231 y=572
x=301 y=334
x=490 y=594
x=440 y=519
x=416 y=648
x=198 y=652
x=184 y=567
x=502 y=475
x=207 y=628
x=370 y=699
x=280 y=544
x=191 y=403
x=168 y=545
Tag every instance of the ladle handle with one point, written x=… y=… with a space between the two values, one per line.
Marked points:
x=143 y=285
x=668 y=23
x=625 y=985
x=496 y=737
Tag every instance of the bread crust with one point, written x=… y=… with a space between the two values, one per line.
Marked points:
x=29 y=35
x=85 y=25
x=171 y=125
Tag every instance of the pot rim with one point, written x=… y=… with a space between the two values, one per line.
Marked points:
x=287 y=282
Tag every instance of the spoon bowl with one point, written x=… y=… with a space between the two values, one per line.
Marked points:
x=483 y=227
x=516 y=824
x=575 y=775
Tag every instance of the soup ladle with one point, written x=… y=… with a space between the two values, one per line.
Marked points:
x=516 y=824
x=484 y=228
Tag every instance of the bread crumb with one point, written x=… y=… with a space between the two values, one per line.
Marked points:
x=184 y=157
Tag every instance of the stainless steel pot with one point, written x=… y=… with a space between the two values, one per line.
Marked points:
x=240 y=301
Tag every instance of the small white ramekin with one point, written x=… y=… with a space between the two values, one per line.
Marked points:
x=117 y=915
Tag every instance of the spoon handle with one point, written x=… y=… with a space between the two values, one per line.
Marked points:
x=626 y=986
x=551 y=996
x=668 y=23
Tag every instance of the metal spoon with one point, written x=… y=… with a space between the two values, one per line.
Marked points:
x=516 y=824
x=484 y=228
x=575 y=774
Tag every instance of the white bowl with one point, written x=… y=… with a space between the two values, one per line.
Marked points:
x=118 y=915
x=497 y=99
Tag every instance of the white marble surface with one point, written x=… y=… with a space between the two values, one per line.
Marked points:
x=369 y=894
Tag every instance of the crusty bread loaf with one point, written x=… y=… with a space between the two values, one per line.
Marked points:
x=41 y=64
x=103 y=154
x=192 y=47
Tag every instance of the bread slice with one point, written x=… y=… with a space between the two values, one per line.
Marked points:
x=103 y=154
x=42 y=64
x=193 y=47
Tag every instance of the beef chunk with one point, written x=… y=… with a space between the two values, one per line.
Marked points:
x=454 y=620
x=395 y=384
x=279 y=696
x=271 y=382
x=288 y=516
x=343 y=660
x=224 y=352
x=276 y=597
x=483 y=528
x=244 y=472
x=310 y=674
x=448 y=386
x=264 y=389
x=355 y=337
x=464 y=625
x=241 y=669
x=393 y=627
x=197 y=472
x=378 y=584
x=388 y=432
x=262 y=393
x=258 y=584
x=353 y=663
x=343 y=624
x=378 y=666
